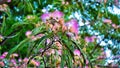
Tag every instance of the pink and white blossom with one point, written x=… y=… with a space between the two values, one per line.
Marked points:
x=90 y=39
x=28 y=33
x=55 y=15
x=45 y=16
x=73 y=26
x=76 y=52
x=107 y=21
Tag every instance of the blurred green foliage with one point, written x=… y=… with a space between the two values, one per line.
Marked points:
x=24 y=15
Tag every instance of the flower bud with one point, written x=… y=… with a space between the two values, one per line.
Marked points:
x=4 y=55
x=77 y=52
x=25 y=60
x=14 y=55
x=58 y=45
x=108 y=21
x=8 y=0
x=35 y=63
x=115 y=26
x=28 y=33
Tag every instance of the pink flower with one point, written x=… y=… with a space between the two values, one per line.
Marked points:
x=57 y=14
x=41 y=50
x=4 y=55
x=39 y=36
x=33 y=38
x=8 y=0
x=58 y=45
x=86 y=66
x=115 y=26
x=25 y=60
x=90 y=39
x=13 y=61
x=28 y=33
x=48 y=41
x=2 y=64
x=107 y=21
x=77 y=52
x=59 y=52
x=87 y=62
x=34 y=62
x=19 y=60
x=14 y=55
x=50 y=52
x=37 y=63
x=73 y=26
x=100 y=57
x=45 y=16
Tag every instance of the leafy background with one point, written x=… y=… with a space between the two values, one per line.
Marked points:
x=15 y=22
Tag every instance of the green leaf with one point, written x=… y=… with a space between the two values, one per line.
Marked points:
x=70 y=64
x=18 y=24
x=18 y=46
x=62 y=61
x=3 y=25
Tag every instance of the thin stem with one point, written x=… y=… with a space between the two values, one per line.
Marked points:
x=6 y=38
x=44 y=62
x=84 y=58
x=49 y=46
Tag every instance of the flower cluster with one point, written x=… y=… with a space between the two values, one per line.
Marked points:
x=108 y=21
x=33 y=37
x=90 y=39
x=3 y=7
x=53 y=47
x=56 y=22
x=16 y=63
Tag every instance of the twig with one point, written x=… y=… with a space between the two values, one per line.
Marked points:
x=93 y=50
x=4 y=40
x=67 y=48
x=41 y=53
x=47 y=48
x=44 y=62
x=80 y=51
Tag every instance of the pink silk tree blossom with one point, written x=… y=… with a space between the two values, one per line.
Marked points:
x=73 y=26
x=55 y=15
x=45 y=16
x=8 y=0
x=90 y=39
x=76 y=52
x=28 y=33
x=108 y=21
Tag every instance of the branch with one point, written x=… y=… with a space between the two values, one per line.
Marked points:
x=8 y=37
x=49 y=46
x=84 y=58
